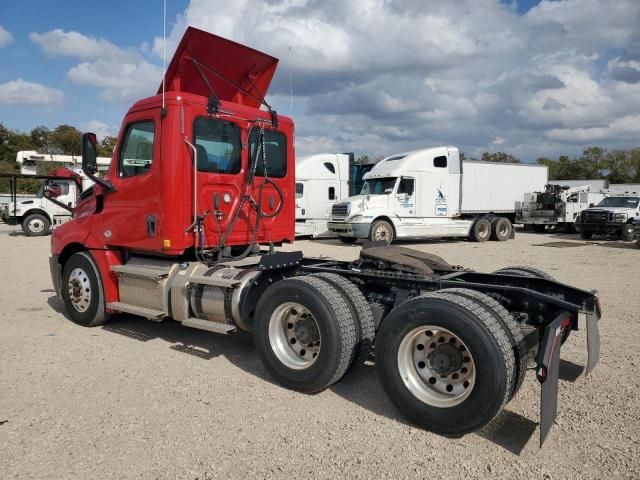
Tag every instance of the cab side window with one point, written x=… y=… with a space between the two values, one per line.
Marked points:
x=406 y=186
x=136 y=152
x=440 y=162
x=275 y=147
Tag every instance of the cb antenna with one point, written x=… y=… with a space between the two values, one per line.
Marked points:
x=164 y=49
x=291 y=80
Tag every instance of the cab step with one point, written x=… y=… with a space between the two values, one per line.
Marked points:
x=155 y=315
x=214 y=327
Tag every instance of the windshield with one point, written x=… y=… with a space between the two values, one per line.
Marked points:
x=625 y=202
x=40 y=193
x=378 y=186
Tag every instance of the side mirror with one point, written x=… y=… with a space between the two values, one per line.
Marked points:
x=89 y=154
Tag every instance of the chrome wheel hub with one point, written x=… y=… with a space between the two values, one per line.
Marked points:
x=36 y=225
x=436 y=366
x=294 y=336
x=382 y=233
x=79 y=289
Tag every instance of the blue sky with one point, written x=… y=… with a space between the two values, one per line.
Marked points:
x=530 y=77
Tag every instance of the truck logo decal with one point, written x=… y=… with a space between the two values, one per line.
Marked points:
x=441 y=204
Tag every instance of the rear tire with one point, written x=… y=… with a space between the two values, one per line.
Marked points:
x=361 y=311
x=381 y=231
x=305 y=312
x=510 y=325
x=348 y=240
x=480 y=230
x=501 y=229
x=441 y=404
x=82 y=291
x=36 y=225
x=534 y=273
x=586 y=235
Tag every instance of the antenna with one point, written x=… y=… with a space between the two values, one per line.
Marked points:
x=164 y=47
x=291 y=80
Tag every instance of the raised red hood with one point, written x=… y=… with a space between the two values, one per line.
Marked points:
x=243 y=66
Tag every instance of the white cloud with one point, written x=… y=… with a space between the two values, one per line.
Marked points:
x=101 y=129
x=5 y=37
x=74 y=44
x=122 y=75
x=21 y=92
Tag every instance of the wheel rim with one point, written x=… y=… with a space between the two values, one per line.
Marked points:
x=36 y=225
x=382 y=232
x=79 y=289
x=502 y=230
x=294 y=336
x=483 y=230
x=436 y=366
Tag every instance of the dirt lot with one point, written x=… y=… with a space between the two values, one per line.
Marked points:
x=136 y=399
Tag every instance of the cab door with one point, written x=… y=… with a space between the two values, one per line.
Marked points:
x=131 y=215
x=405 y=200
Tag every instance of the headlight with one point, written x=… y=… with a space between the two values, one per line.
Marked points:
x=356 y=218
x=619 y=217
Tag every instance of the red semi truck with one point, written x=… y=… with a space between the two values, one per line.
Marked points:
x=185 y=225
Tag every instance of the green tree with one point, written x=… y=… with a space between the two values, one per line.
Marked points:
x=501 y=157
x=66 y=140
x=106 y=146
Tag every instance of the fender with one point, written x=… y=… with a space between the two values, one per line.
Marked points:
x=105 y=259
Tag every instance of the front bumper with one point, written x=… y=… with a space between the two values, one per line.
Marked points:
x=56 y=273
x=608 y=227
x=343 y=229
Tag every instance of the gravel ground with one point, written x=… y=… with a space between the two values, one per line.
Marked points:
x=137 y=399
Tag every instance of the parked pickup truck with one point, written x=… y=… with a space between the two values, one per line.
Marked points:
x=614 y=215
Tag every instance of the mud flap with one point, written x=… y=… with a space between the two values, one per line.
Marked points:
x=593 y=342
x=547 y=373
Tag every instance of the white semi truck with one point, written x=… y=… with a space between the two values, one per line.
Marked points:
x=321 y=181
x=430 y=193
x=38 y=215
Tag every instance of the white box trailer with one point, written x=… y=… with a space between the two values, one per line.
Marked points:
x=430 y=193
x=322 y=180
x=498 y=187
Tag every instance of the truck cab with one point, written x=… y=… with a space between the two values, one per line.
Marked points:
x=38 y=215
x=408 y=195
x=614 y=215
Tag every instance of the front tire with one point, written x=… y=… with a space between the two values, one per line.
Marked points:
x=628 y=233
x=36 y=225
x=445 y=363
x=381 y=231
x=305 y=333
x=82 y=291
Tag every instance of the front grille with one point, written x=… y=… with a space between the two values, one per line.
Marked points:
x=339 y=211
x=595 y=217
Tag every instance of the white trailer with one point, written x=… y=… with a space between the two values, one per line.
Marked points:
x=430 y=193
x=322 y=180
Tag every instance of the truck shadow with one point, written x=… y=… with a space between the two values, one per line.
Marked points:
x=360 y=386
